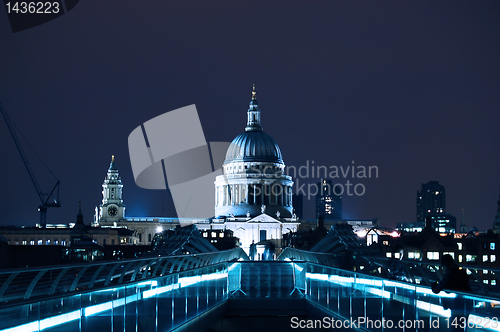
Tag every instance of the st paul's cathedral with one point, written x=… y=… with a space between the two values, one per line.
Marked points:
x=253 y=196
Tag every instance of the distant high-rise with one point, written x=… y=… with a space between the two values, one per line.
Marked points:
x=496 y=222
x=298 y=205
x=328 y=201
x=463 y=226
x=431 y=199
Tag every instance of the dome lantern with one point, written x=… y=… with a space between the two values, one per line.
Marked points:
x=253 y=122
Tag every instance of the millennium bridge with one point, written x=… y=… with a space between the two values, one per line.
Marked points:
x=225 y=291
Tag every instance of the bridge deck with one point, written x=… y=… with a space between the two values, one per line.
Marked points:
x=256 y=296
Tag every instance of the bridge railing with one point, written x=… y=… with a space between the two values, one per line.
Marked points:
x=483 y=280
x=159 y=304
x=33 y=283
x=360 y=301
x=343 y=297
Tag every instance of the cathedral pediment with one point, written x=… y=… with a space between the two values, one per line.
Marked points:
x=263 y=218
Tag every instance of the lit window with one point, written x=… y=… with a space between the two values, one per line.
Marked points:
x=396 y=255
x=385 y=243
x=388 y=255
x=433 y=255
x=32 y=242
x=24 y=242
x=492 y=246
x=411 y=255
x=493 y=282
x=56 y=242
x=205 y=234
x=47 y=242
x=460 y=258
x=470 y=258
x=40 y=242
x=63 y=242
x=493 y=258
x=221 y=234
x=459 y=245
x=485 y=258
x=214 y=234
x=485 y=281
x=485 y=271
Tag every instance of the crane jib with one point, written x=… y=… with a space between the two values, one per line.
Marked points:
x=44 y=201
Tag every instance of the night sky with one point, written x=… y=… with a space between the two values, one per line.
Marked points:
x=412 y=87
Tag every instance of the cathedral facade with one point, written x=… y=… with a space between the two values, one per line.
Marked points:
x=253 y=181
x=253 y=197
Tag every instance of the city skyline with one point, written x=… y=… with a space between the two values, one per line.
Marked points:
x=411 y=88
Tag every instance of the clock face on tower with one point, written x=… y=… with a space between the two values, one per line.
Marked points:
x=112 y=211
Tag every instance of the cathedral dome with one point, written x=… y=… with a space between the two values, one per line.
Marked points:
x=253 y=182
x=253 y=146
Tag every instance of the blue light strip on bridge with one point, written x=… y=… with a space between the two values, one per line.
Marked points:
x=363 y=284
x=102 y=307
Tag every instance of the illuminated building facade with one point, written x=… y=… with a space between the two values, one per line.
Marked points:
x=66 y=235
x=112 y=208
x=253 y=197
x=253 y=174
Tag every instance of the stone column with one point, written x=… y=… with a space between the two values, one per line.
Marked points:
x=232 y=194
x=237 y=194
x=254 y=193
x=216 y=195
x=226 y=195
x=282 y=195
x=285 y=195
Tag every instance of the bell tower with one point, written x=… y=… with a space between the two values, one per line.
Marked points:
x=112 y=207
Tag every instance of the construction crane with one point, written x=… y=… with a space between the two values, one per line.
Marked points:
x=44 y=198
